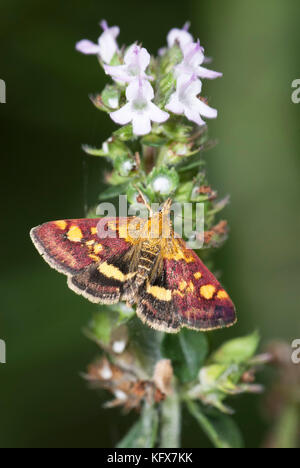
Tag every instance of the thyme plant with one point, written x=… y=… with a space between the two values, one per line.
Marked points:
x=157 y=152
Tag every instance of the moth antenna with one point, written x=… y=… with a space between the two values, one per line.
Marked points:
x=167 y=205
x=145 y=201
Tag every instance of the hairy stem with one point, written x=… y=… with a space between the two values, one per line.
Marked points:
x=171 y=421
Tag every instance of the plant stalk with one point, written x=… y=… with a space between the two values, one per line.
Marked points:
x=171 y=421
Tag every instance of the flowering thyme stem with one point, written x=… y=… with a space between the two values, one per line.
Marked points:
x=155 y=157
x=171 y=421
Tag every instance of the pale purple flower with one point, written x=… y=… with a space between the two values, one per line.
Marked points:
x=136 y=61
x=182 y=36
x=107 y=45
x=193 y=57
x=185 y=101
x=139 y=109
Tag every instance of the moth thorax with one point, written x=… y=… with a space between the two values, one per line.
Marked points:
x=160 y=226
x=149 y=253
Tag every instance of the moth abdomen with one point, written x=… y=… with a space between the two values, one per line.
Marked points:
x=146 y=262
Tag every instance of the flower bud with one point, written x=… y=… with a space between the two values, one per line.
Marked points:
x=163 y=181
x=124 y=165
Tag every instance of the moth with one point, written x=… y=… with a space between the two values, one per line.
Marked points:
x=141 y=261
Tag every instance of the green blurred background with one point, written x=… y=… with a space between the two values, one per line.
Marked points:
x=44 y=401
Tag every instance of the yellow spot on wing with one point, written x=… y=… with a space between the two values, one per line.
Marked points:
x=130 y=275
x=207 y=291
x=61 y=225
x=111 y=271
x=198 y=275
x=93 y=230
x=222 y=294
x=185 y=288
x=98 y=248
x=178 y=293
x=172 y=249
x=75 y=234
x=90 y=242
x=177 y=256
x=94 y=257
x=161 y=294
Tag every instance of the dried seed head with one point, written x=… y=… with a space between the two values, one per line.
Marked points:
x=163 y=375
x=128 y=390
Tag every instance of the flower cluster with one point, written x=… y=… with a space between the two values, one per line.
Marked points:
x=138 y=79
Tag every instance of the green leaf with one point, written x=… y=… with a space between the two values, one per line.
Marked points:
x=153 y=140
x=131 y=438
x=143 y=433
x=184 y=191
x=134 y=193
x=101 y=325
x=115 y=179
x=220 y=205
x=286 y=428
x=124 y=133
x=176 y=130
x=172 y=57
x=220 y=378
x=191 y=163
x=124 y=165
x=110 y=96
x=111 y=149
x=112 y=192
x=94 y=151
x=116 y=60
x=116 y=148
x=166 y=79
x=237 y=351
x=98 y=103
x=187 y=351
x=166 y=86
x=146 y=344
x=220 y=428
x=125 y=313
